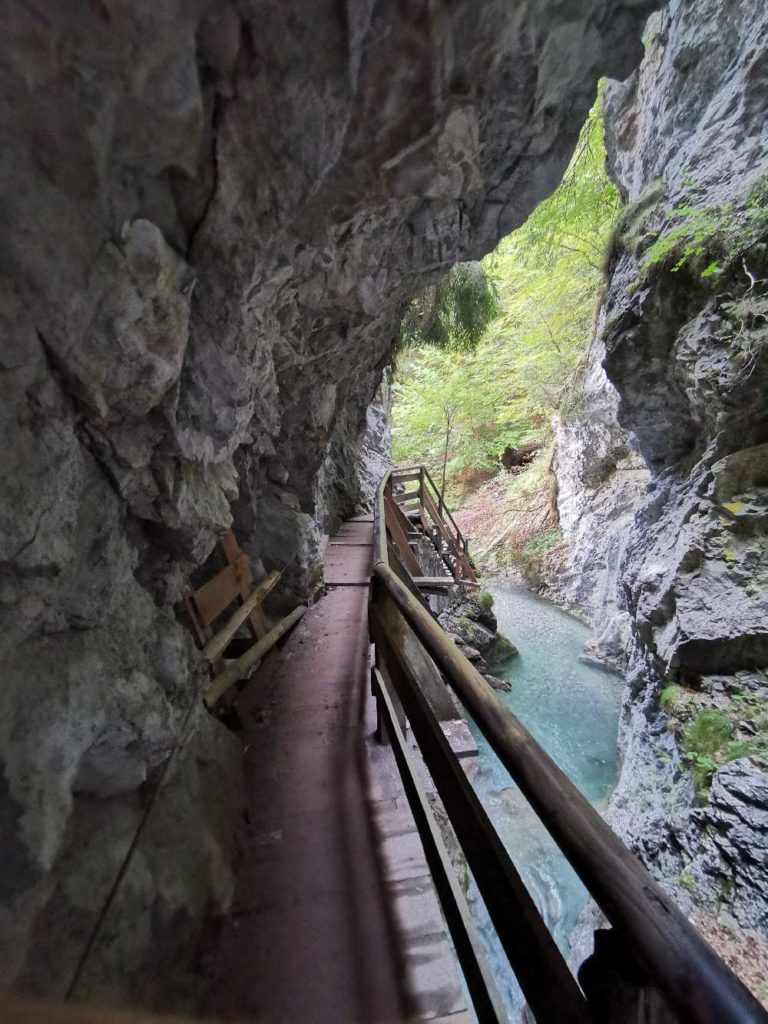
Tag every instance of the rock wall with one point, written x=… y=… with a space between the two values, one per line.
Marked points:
x=212 y=217
x=374 y=451
x=684 y=339
x=600 y=480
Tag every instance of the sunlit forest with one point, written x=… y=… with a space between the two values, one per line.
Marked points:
x=488 y=358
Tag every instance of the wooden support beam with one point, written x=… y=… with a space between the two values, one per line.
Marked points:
x=406 y=476
x=212 y=598
x=232 y=552
x=441 y=582
x=218 y=643
x=394 y=524
x=406 y=496
x=239 y=669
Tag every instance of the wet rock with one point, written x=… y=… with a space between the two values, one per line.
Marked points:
x=471 y=653
x=215 y=216
x=600 y=480
x=473 y=626
x=374 y=456
x=496 y=683
x=737 y=816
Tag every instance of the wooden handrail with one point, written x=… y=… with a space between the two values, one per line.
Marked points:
x=477 y=974
x=676 y=960
x=544 y=977
x=439 y=513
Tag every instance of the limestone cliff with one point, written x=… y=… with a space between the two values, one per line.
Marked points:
x=683 y=344
x=600 y=479
x=212 y=216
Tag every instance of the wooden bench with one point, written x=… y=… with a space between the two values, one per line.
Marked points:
x=233 y=585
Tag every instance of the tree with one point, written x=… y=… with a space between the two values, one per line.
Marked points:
x=453 y=313
x=502 y=392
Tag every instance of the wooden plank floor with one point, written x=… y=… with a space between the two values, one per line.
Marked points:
x=309 y=938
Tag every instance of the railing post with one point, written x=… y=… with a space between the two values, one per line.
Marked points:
x=385 y=676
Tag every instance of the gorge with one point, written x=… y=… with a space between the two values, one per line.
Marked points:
x=214 y=217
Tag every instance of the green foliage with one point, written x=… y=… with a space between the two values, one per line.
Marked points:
x=453 y=313
x=577 y=218
x=713 y=737
x=540 y=545
x=485 y=600
x=669 y=696
x=439 y=394
x=709 y=237
x=702 y=768
x=756 y=747
x=708 y=733
x=694 y=233
x=705 y=738
x=688 y=881
x=504 y=392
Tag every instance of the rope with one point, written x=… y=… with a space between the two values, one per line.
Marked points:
x=125 y=864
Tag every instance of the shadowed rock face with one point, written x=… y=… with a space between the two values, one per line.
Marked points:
x=683 y=345
x=212 y=215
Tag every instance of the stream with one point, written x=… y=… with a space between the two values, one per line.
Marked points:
x=572 y=709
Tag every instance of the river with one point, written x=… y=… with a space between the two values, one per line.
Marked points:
x=572 y=709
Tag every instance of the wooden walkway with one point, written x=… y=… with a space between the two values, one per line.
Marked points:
x=310 y=937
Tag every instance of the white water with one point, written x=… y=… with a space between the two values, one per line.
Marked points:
x=572 y=710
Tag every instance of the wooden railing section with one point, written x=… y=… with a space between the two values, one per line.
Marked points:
x=231 y=592
x=413 y=504
x=651 y=966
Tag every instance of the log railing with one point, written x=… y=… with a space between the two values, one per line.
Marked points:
x=652 y=964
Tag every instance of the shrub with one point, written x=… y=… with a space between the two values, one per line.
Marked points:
x=485 y=600
x=708 y=734
x=705 y=738
x=702 y=768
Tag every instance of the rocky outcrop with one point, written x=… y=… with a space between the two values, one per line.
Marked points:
x=374 y=451
x=469 y=620
x=684 y=339
x=600 y=481
x=213 y=215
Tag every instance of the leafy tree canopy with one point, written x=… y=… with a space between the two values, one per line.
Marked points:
x=544 y=277
x=453 y=313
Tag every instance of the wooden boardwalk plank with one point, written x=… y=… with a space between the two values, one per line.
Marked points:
x=310 y=937
x=347 y=565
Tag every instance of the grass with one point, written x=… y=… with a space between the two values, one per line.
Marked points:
x=708 y=734
x=670 y=696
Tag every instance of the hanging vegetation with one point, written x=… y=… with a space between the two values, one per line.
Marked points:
x=455 y=312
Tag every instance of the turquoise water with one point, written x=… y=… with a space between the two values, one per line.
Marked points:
x=572 y=709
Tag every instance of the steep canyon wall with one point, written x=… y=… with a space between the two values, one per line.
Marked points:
x=664 y=464
x=212 y=216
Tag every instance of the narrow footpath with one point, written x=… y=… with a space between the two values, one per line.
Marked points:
x=310 y=937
